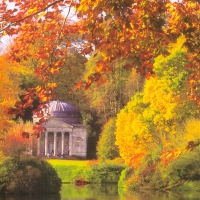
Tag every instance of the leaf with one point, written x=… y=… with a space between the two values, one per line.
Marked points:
x=79 y=84
x=26 y=97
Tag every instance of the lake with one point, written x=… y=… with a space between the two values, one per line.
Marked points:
x=105 y=192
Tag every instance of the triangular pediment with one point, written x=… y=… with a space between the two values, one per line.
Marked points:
x=54 y=123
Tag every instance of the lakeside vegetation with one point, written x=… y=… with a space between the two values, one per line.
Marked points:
x=179 y=176
x=71 y=170
x=132 y=69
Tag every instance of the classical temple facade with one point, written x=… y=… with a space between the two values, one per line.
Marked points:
x=65 y=134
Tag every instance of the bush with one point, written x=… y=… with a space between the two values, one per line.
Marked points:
x=28 y=176
x=187 y=166
x=104 y=173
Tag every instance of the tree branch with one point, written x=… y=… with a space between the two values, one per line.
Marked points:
x=28 y=16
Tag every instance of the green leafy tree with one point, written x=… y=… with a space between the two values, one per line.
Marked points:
x=106 y=148
x=67 y=78
x=112 y=91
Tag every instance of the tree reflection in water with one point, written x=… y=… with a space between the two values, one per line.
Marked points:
x=105 y=192
x=31 y=197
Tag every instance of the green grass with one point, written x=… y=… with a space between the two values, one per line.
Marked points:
x=69 y=170
x=56 y=162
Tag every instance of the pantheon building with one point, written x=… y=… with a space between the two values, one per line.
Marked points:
x=65 y=134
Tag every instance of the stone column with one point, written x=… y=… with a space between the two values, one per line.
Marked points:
x=62 y=143
x=70 y=144
x=55 y=144
x=38 y=145
x=46 y=144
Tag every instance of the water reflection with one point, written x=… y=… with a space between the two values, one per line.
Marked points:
x=106 y=192
x=31 y=197
x=90 y=192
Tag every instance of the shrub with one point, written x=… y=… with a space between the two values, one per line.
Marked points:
x=104 y=173
x=187 y=166
x=28 y=176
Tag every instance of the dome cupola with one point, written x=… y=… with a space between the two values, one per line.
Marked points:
x=65 y=112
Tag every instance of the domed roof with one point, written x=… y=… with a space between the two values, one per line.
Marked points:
x=62 y=109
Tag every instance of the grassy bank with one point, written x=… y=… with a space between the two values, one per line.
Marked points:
x=60 y=162
x=70 y=170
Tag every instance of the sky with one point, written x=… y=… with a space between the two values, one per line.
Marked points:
x=5 y=41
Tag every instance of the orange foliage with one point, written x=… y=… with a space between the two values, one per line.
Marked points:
x=13 y=143
x=167 y=156
x=138 y=30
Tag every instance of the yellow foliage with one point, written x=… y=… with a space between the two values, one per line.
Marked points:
x=9 y=89
x=132 y=135
x=189 y=132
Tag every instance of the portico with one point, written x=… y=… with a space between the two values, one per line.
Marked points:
x=62 y=136
x=55 y=143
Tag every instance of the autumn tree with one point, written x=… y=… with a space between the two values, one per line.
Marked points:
x=138 y=30
x=152 y=119
x=15 y=143
x=9 y=90
x=67 y=78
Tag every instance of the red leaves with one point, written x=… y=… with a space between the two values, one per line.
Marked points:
x=79 y=84
x=14 y=111
x=26 y=97
x=20 y=106
x=11 y=31
x=38 y=129
x=42 y=120
x=145 y=55
x=28 y=104
x=50 y=15
x=87 y=50
x=129 y=66
x=25 y=135
x=30 y=94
